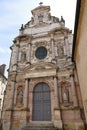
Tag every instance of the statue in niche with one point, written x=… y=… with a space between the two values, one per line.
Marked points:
x=65 y=95
x=23 y=56
x=60 y=51
x=19 y=96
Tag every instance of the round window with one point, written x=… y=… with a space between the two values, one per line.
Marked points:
x=41 y=52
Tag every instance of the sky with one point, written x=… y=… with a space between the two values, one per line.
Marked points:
x=13 y=13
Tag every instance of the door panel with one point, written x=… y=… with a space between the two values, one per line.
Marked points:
x=41 y=103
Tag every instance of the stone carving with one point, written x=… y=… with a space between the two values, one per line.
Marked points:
x=23 y=56
x=19 y=96
x=60 y=52
x=62 y=19
x=32 y=20
x=42 y=43
x=65 y=95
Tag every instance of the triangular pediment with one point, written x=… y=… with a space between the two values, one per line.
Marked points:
x=40 y=66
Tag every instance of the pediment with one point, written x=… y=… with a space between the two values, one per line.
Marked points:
x=40 y=66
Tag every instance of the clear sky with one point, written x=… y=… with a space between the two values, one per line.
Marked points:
x=13 y=13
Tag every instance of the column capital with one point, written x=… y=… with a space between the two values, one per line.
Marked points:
x=52 y=39
x=55 y=77
x=72 y=75
x=66 y=37
x=27 y=79
x=29 y=43
x=13 y=80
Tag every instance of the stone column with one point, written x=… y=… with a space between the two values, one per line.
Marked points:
x=29 y=53
x=53 y=47
x=56 y=93
x=26 y=93
x=14 y=58
x=57 y=115
x=12 y=94
x=15 y=53
x=66 y=46
x=75 y=102
x=19 y=57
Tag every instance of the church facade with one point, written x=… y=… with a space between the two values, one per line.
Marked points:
x=42 y=83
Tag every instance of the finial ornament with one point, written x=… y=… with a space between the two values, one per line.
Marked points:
x=40 y=3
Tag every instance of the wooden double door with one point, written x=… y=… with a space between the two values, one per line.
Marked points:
x=41 y=103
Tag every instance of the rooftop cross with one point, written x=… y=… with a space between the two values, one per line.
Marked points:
x=40 y=3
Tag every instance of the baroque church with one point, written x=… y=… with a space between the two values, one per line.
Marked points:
x=43 y=90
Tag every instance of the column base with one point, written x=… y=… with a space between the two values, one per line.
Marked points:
x=57 y=119
x=58 y=124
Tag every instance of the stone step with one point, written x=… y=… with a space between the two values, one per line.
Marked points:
x=39 y=127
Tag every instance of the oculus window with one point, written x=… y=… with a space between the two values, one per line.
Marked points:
x=41 y=53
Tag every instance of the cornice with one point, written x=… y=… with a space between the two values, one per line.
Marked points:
x=26 y=36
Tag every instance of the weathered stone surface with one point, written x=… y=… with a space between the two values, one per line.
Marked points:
x=54 y=69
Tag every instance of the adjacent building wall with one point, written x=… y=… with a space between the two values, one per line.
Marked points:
x=80 y=54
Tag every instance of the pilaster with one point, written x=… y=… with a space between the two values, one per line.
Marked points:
x=29 y=53
x=57 y=114
x=73 y=89
x=12 y=94
x=26 y=94
x=66 y=46
x=53 y=46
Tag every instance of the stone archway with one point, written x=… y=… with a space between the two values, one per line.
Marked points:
x=41 y=103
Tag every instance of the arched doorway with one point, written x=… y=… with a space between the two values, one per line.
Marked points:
x=41 y=103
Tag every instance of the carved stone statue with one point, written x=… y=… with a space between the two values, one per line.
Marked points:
x=19 y=96
x=32 y=20
x=23 y=56
x=60 y=51
x=65 y=95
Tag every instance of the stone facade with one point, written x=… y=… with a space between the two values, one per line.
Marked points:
x=41 y=58
x=3 y=83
